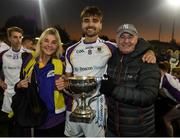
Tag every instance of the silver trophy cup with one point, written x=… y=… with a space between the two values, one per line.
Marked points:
x=80 y=88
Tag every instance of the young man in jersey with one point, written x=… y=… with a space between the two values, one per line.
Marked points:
x=89 y=57
x=10 y=65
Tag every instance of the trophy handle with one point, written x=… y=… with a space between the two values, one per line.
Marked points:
x=94 y=98
x=67 y=92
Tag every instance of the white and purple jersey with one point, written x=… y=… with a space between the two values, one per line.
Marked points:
x=11 y=62
x=89 y=59
x=171 y=86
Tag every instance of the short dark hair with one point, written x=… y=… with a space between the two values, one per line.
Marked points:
x=27 y=38
x=165 y=66
x=91 y=11
x=14 y=29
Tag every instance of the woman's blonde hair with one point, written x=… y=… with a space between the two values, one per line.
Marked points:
x=51 y=31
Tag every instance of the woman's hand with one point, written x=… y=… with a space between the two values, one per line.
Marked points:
x=60 y=83
x=23 y=84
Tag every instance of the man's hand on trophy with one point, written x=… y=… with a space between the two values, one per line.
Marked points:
x=107 y=86
x=61 y=83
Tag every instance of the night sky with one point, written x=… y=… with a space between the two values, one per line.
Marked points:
x=146 y=15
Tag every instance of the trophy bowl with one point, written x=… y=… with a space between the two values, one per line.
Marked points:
x=82 y=84
x=82 y=87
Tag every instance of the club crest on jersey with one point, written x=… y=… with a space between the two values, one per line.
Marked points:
x=15 y=56
x=50 y=73
x=89 y=51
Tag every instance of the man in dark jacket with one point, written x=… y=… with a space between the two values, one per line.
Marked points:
x=131 y=87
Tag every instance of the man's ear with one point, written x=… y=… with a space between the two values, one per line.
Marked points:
x=117 y=39
x=101 y=25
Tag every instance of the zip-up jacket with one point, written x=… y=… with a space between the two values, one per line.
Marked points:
x=131 y=104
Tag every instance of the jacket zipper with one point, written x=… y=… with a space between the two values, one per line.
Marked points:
x=120 y=69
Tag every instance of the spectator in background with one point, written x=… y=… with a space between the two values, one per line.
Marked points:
x=174 y=60
x=3 y=47
x=171 y=88
x=176 y=72
x=169 y=54
x=169 y=82
x=10 y=65
x=28 y=43
x=131 y=87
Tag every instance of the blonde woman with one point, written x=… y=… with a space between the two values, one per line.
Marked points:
x=47 y=68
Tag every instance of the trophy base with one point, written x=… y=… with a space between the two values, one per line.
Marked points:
x=83 y=118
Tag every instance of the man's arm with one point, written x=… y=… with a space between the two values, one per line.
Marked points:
x=149 y=57
x=3 y=85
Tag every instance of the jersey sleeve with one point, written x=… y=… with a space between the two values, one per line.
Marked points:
x=68 y=62
x=1 y=60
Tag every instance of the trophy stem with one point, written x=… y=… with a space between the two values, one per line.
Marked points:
x=83 y=101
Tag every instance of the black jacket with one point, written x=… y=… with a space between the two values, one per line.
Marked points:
x=131 y=104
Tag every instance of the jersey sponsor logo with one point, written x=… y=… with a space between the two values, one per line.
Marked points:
x=99 y=67
x=87 y=68
x=82 y=69
x=50 y=74
x=77 y=69
x=11 y=68
x=80 y=51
